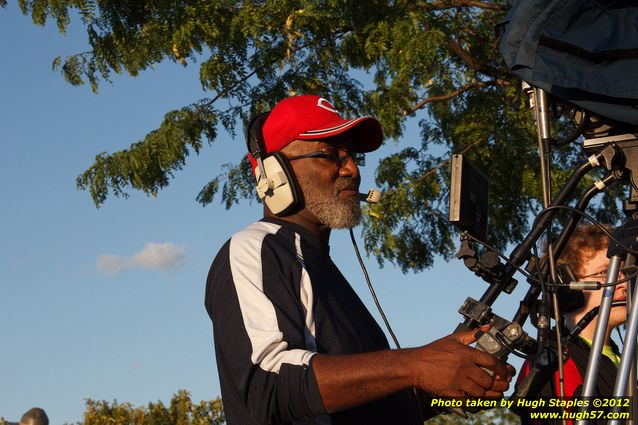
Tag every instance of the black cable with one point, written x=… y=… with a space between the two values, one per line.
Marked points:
x=541 y=281
x=415 y=393
x=617 y=282
x=521 y=251
x=535 y=279
x=505 y=343
x=575 y=132
x=557 y=317
x=602 y=285
x=542 y=333
x=374 y=294
x=592 y=313
x=581 y=205
x=593 y=221
x=596 y=223
x=622 y=340
x=503 y=257
x=558 y=246
x=587 y=318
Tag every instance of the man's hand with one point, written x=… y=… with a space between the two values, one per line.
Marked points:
x=449 y=367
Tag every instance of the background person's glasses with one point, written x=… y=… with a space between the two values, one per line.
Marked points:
x=598 y=275
x=337 y=155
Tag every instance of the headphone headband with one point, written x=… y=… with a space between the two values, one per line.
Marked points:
x=255 y=137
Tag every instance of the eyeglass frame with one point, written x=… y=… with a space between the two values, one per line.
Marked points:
x=359 y=158
x=601 y=274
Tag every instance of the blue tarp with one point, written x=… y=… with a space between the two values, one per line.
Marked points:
x=582 y=51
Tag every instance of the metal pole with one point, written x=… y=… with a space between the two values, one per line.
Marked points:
x=628 y=351
x=542 y=130
x=593 y=363
x=631 y=389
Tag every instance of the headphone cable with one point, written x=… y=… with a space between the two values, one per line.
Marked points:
x=374 y=294
x=414 y=391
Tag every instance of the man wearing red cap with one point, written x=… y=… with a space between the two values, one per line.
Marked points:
x=293 y=342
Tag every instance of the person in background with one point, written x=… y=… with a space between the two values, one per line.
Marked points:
x=34 y=416
x=586 y=254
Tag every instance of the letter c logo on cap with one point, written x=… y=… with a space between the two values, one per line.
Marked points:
x=323 y=103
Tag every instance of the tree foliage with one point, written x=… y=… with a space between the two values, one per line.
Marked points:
x=180 y=411
x=484 y=417
x=432 y=61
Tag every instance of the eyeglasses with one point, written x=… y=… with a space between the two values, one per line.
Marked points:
x=339 y=156
x=598 y=275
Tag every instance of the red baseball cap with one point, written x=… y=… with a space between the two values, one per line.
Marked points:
x=314 y=118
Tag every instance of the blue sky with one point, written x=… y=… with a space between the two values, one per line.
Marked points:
x=108 y=303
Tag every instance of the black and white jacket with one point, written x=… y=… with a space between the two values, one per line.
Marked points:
x=276 y=299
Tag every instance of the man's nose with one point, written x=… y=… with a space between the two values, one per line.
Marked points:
x=350 y=168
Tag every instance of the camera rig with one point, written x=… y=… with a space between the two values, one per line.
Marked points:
x=611 y=147
x=583 y=55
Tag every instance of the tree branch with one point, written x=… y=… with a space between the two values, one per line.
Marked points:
x=469 y=86
x=455 y=46
x=470 y=60
x=452 y=4
x=209 y=103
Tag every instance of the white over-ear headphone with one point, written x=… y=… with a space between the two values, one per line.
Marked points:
x=276 y=183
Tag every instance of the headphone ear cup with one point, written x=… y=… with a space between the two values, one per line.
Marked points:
x=285 y=197
x=570 y=300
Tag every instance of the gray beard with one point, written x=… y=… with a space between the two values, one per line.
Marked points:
x=332 y=211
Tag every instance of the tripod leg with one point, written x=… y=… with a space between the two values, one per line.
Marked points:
x=628 y=351
x=631 y=383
